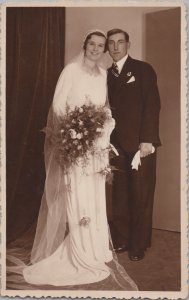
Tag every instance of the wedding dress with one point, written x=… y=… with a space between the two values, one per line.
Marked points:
x=65 y=252
x=82 y=255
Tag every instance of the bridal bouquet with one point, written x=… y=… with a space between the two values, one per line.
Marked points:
x=76 y=133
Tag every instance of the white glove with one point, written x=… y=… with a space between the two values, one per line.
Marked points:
x=136 y=162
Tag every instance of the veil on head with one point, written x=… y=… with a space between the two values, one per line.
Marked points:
x=103 y=62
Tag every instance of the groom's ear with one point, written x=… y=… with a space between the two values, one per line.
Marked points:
x=128 y=45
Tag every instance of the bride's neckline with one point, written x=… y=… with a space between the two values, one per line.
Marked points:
x=90 y=68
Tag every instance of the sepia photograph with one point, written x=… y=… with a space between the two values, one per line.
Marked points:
x=93 y=149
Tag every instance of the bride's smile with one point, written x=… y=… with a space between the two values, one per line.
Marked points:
x=95 y=48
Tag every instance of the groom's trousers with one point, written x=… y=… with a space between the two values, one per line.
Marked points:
x=132 y=201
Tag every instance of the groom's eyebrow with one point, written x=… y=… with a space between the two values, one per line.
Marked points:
x=120 y=40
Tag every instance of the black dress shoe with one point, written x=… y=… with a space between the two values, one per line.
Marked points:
x=120 y=249
x=136 y=256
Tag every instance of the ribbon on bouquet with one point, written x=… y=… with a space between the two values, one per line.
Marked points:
x=114 y=150
x=136 y=162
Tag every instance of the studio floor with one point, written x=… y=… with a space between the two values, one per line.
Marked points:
x=158 y=271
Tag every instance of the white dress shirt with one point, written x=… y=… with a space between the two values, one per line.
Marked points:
x=121 y=62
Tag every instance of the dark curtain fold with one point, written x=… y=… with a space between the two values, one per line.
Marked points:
x=35 y=40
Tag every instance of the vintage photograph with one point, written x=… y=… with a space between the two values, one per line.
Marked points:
x=93 y=127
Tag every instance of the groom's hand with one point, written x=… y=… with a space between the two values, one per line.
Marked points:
x=145 y=149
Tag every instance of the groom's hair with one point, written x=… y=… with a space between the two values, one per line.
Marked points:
x=89 y=36
x=117 y=30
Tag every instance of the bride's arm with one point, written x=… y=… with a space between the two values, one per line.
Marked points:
x=62 y=91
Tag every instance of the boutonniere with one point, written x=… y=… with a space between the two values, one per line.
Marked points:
x=130 y=77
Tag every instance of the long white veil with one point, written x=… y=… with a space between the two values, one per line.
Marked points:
x=52 y=222
x=51 y=225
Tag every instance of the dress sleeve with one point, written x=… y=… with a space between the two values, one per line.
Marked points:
x=62 y=91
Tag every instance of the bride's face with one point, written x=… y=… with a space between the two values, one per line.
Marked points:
x=95 y=47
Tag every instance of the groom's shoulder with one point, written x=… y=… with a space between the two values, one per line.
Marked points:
x=142 y=65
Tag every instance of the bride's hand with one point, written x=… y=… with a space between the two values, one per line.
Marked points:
x=110 y=123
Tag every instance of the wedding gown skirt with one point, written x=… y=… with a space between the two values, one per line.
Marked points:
x=83 y=254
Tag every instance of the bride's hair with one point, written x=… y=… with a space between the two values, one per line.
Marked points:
x=88 y=36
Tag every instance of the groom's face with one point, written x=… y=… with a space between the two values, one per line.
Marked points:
x=118 y=46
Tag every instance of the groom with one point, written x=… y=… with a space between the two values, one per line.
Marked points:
x=135 y=104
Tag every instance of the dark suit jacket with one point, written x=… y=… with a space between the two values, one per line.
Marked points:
x=135 y=105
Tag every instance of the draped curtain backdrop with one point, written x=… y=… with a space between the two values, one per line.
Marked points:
x=35 y=58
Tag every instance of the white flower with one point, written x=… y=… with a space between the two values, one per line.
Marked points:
x=105 y=171
x=98 y=129
x=81 y=110
x=80 y=122
x=62 y=130
x=85 y=132
x=79 y=147
x=73 y=133
x=108 y=112
x=84 y=221
x=79 y=136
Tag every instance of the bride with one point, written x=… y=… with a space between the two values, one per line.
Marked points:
x=72 y=242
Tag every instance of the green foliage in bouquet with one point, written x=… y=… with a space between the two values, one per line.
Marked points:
x=76 y=133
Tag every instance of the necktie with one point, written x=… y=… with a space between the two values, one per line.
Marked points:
x=115 y=70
